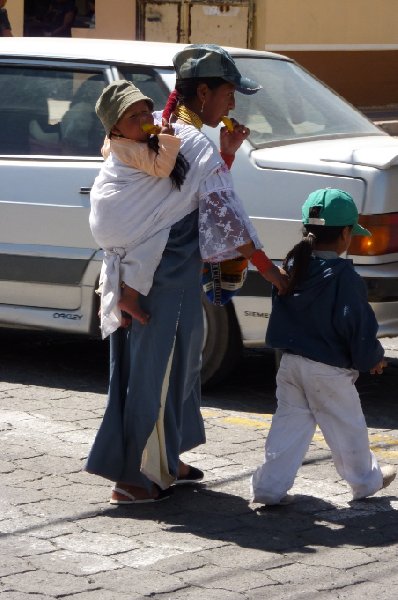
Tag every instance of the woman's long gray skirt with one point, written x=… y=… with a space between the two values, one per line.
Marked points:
x=146 y=358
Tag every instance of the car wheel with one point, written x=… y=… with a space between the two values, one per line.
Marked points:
x=222 y=346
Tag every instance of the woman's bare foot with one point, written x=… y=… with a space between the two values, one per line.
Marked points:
x=124 y=493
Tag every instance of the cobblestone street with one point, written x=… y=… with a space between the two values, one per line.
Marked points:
x=61 y=539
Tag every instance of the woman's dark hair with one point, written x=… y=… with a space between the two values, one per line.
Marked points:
x=186 y=88
x=298 y=258
x=181 y=166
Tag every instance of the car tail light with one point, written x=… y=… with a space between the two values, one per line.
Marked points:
x=384 y=240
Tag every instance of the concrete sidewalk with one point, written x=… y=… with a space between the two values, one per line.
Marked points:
x=61 y=539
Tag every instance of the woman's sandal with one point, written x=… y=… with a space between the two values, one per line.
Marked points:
x=121 y=496
x=194 y=475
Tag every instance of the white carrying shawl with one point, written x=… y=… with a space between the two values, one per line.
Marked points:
x=131 y=216
x=132 y=213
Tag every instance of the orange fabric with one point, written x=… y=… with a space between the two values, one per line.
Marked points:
x=261 y=261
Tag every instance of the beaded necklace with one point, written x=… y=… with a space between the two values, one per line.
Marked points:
x=188 y=116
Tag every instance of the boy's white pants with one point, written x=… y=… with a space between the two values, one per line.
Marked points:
x=311 y=393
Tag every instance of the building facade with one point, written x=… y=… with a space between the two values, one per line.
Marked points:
x=352 y=46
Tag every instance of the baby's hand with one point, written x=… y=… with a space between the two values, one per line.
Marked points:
x=167 y=127
x=379 y=367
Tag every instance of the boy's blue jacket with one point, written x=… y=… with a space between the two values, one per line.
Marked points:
x=328 y=318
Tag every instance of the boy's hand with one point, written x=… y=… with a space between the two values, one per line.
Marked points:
x=278 y=277
x=378 y=369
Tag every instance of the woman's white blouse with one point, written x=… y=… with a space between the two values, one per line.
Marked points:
x=224 y=225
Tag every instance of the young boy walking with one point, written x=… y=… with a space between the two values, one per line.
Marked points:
x=327 y=331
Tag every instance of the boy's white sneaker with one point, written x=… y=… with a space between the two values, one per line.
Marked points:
x=389 y=473
x=288 y=499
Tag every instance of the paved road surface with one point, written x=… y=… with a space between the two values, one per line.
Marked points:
x=61 y=539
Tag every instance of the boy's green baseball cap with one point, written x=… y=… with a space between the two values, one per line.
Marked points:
x=337 y=210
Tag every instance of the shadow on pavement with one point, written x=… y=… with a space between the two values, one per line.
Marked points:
x=300 y=527
x=81 y=364
x=54 y=360
x=305 y=526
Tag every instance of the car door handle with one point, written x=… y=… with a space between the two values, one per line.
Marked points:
x=85 y=190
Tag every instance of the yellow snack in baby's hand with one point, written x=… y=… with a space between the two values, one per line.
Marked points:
x=152 y=129
x=228 y=123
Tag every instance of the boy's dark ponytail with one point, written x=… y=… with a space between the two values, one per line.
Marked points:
x=297 y=261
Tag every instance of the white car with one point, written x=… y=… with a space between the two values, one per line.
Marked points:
x=303 y=137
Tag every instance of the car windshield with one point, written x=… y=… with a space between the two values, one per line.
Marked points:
x=293 y=105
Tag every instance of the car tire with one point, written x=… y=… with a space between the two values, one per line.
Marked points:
x=222 y=346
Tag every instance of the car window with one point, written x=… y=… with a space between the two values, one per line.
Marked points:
x=150 y=84
x=293 y=105
x=49 y=112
